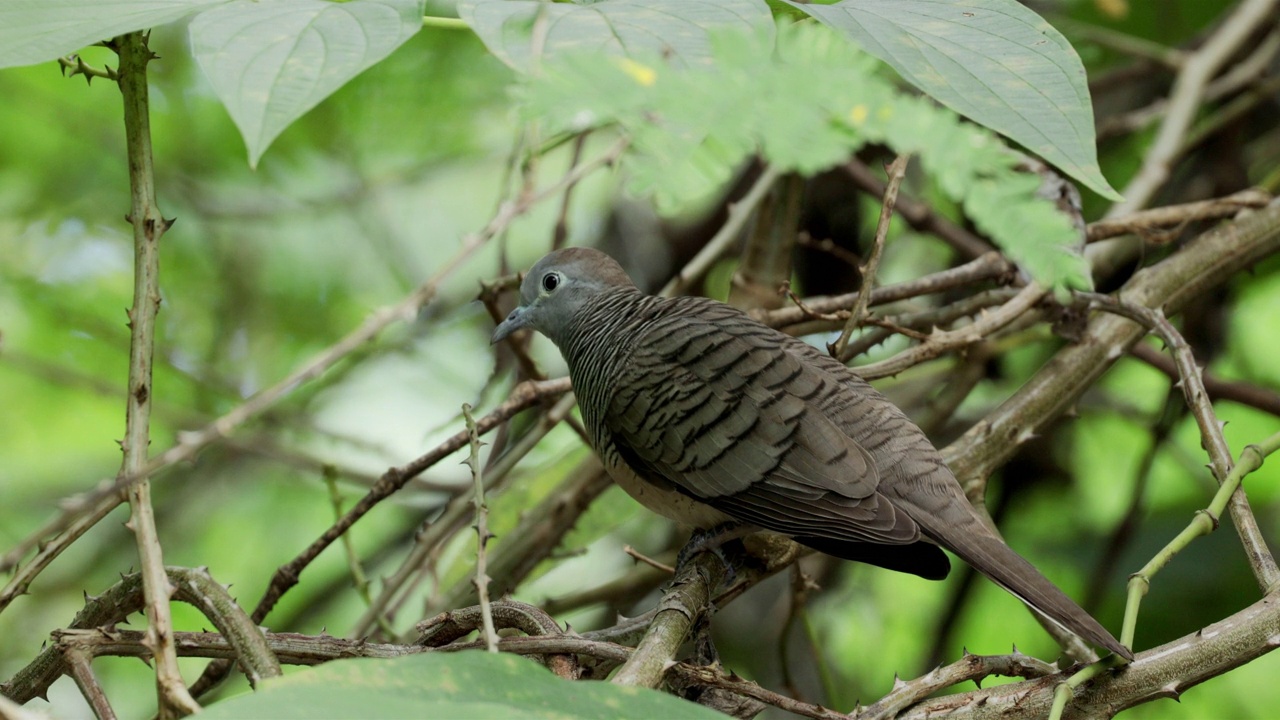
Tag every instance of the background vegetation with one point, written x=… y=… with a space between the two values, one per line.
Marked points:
x=388 y=204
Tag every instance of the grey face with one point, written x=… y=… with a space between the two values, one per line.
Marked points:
x=558 y=287
x=537 y=300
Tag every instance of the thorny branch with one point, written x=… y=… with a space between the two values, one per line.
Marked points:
x=1164 y=671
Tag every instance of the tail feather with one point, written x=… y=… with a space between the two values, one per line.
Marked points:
x=988 y=554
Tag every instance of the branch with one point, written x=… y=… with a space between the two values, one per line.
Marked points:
x=148 y=226
x=396 y=588
x=1198 y=69
x=1153 y=225
x=897 y=171
x=536 y=537
x=1205 y=262
x=481 y=579
x=990 y=266
x=1238 y=392
x=57 y=534
x=739 y=214
x=968 y=668
x=686 y=599
x=193 y=586
x=945 y=341
x=1261 y=561
x=1162 y=672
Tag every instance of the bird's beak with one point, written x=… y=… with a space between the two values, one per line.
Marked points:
x=518 y=319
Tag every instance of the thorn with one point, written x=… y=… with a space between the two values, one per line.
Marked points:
x=898 y=683
x=166 y=223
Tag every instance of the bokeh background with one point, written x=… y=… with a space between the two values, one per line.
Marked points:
x=366 y=197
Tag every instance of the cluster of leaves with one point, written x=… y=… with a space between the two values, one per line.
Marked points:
x=804 y=99
x=698 y=84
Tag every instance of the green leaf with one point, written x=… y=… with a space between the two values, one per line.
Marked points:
x=993 y=61
x=468 y=684
x=271 y=62
x=34 y=31
x=679 y=30
x=803 y=100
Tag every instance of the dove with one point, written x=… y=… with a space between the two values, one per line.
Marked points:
x=714 y=420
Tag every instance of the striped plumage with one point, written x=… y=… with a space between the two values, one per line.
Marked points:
x=707 y=416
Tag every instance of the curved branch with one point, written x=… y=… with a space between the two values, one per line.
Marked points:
x=193 y=586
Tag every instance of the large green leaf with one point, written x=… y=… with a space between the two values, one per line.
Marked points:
x=447 y=685
x=271 y=62
x=34 y=31
x=678 y=29
x=993 y=61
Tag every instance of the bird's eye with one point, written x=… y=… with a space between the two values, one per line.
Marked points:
x=550 y=282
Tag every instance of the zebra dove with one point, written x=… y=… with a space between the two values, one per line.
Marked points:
x=708 y=417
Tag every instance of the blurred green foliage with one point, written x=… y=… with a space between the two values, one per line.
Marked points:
x=351 y=208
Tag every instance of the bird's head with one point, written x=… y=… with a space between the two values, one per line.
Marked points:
x=558 y=287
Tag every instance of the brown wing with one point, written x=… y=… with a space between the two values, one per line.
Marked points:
x=710 y=403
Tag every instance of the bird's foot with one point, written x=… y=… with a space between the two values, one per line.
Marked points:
x=712 y=540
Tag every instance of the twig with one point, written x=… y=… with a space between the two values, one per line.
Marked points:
x=148 y=227
x=1204 y=522
x=1242 y=74
x=739 y=213
x=77 y=66
x=1150 y=225
x=358 y=578
x=990 y=266
x=540 y=532
x=808 y=312
x=1203 y=263
x=456 y=624
x=81 y=671
x=627 y=588
x=944 y=341
x=1125 y=43
x=688 y=597
x=897 y=171
x=798 y=599
x=926 y=320
x=98 y=502
x=396 y=589
x=1198 y=69
x=1238 y=392
x=481 y=579
x=642 y=558
x=1262 y=562
x=561 y=231
x=919 y=215
x=970 y=667
x=193 y=586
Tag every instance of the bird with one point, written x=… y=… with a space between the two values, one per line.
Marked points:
x=712 y=419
